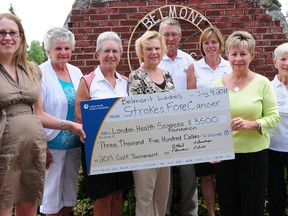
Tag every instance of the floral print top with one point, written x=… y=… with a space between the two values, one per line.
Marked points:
x=141 y=83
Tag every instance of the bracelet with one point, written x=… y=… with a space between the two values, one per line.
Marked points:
x=259 y=124
x=63 y=124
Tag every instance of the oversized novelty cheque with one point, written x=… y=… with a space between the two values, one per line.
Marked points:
x=157 y=130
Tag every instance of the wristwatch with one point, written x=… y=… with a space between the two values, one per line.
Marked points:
x=259 y=124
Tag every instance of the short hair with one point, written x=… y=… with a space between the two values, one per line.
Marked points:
x=170 y=21
x=280 y=50
x=239 y=38
x=58 y=34
x=144 y=40
x=206 y=34
x=108 y=35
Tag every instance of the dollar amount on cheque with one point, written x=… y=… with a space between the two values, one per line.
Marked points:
x=156 y=130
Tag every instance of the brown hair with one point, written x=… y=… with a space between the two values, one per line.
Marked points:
x=20 y=57
x=206 y=34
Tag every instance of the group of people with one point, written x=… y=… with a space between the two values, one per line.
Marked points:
x=40 y=167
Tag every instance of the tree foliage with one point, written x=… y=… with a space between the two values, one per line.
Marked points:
x=36 y=52
x=11 y=9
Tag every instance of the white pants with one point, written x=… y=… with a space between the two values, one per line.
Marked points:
x=151 y=191
x=61 y=180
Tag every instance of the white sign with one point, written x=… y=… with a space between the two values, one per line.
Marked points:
x=157 y=130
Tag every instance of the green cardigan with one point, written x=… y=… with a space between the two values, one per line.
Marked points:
x=257 y=101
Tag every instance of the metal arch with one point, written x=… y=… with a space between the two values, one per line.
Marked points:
x=158 y=21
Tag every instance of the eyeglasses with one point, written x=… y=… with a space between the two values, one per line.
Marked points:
x=108 y=51
x=172 y=34
x=12 y=34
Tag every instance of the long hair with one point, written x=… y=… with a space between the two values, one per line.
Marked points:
x=20 y=57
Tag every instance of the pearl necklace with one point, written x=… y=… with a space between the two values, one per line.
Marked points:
x=236 y=89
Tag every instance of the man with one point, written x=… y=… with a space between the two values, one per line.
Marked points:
x=176 y=62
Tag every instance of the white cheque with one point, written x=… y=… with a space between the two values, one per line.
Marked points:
x=157 y=130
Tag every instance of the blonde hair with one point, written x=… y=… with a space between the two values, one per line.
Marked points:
x=20 y=57
x=241 y=38
x=144 y=40
x=206 y=34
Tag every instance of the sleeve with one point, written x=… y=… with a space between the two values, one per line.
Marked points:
x=270 y=116
x=135 y=84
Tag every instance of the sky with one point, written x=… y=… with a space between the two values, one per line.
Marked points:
x=38 y=16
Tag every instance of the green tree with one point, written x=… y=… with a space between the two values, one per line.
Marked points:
x=11 y=9
x=36 y=52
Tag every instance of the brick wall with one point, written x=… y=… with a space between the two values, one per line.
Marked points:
x=90 y=18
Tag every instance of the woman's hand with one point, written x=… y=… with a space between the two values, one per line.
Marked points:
x=49 y=159
x=76 y=128
x=238 y=124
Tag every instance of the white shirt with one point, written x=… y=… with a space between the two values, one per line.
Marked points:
x=100 y=88
x=177 y=68
x=205 y=75
x=53 y=95
x=279 y=135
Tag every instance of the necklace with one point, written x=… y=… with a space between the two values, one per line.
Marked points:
x=236 y=89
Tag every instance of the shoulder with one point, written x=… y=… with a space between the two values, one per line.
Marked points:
x=186 y=56
x=122 y=78
x=45 y=65
x=262 y=83
x=224 y=61
x=36 y=70
x=275 y=82
x=137 y=74
x=165 y=72
x=262 y=79
x=74 y=69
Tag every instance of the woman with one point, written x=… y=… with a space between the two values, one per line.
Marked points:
x=59 y=84
x=22 y=140
x=278 y=149
x=151 y=185
x=202 y=74
x=241 y=182
x=107 y=189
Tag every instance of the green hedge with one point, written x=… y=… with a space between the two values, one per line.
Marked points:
x=84 y=205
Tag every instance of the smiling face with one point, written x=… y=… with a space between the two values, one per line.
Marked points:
x=211 y=46
x=152 y=53
x=109 y=56
x=172 y=38
x=9 y=43
x=60 y=52
x=239 y=58
x=281 y=64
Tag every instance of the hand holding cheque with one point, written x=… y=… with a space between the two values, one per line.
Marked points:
x=157 y=130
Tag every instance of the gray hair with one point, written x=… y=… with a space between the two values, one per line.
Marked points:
x=58 y=34
x=170 y=21
x=280 y=50
x=108 y=35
